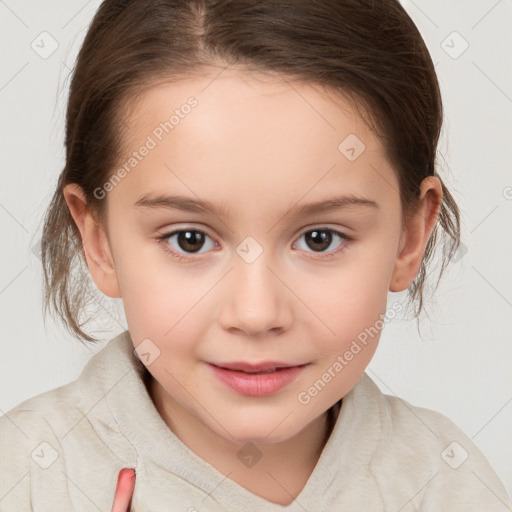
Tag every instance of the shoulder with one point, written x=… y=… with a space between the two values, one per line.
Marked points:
x=440 y=465
x=56 y=411
x=29 y=444
x=38 y=436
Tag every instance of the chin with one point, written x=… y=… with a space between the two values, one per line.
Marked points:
x=260 y=428
x=259 y=436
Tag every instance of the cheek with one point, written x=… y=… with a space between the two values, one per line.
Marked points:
x=348 y=303
x=352 y=294
x=351 y=305
x=159 y=301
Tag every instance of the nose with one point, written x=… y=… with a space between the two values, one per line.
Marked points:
x=256 y=302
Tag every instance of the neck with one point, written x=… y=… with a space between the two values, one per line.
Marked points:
x=284 y=467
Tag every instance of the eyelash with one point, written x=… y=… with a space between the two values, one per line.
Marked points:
x=180 y=257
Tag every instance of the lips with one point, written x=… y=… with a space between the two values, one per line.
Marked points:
x=242 y=366
x=256 y=379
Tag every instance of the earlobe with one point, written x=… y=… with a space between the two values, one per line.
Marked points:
x=416 y=234
x=94 y=241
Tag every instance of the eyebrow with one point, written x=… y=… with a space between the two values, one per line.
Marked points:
x=189 y=204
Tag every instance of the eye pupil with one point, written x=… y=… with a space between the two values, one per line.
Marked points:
x=324 y=238
x=188 y=239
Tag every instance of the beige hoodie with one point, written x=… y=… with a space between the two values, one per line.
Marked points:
x=62 y=451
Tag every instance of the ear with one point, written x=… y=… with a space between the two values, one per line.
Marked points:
x=94 y=240
x=419 y=227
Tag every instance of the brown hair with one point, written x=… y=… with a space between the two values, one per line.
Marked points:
x=369 y=51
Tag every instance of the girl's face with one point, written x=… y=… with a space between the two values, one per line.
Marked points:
x=237 y=265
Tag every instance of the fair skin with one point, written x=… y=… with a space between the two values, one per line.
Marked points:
x=256 y=147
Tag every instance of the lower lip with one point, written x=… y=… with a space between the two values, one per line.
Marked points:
x=257 y=384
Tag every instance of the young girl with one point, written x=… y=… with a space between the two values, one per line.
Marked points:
x=251 y=178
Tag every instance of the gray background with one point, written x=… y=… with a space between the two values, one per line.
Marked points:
x=459 y=366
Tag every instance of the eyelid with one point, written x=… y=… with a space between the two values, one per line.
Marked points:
x=168 y=232
x=342 y=232
x=326 y=227
x=180 y=230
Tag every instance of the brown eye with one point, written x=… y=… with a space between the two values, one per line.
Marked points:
x=186 y=241
x=320 y=239
x=190 y=241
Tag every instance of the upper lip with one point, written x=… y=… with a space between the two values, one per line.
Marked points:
x=264 y=366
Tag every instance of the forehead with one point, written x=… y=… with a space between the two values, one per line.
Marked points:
x=262 y=104
x=238 y=135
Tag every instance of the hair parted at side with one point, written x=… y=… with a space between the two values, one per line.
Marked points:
x=371 y=52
